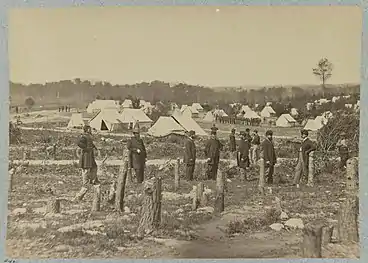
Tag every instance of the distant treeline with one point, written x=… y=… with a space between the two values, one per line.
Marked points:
x=80 y=92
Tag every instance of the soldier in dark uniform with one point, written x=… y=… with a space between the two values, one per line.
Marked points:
x=255 y=147
x=212 y=153
x=138 y=154
x=232 y=142
x=87 y=162
x=343 y=150
x=243 y=155
x=302 y=167
x=190 y=155
x=269 y=156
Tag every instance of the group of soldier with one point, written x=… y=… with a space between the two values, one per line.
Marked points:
x=248 y=152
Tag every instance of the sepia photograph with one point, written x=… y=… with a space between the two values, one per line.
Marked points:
x=172 y=132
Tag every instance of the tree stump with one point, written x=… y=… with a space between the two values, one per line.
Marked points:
x=194 y=198
x=112 y=192
x=204 y=199
x=347 y=227
x=200 y=190
x=120 y=189
x=11 y=175
x=327 y=234
x=220 y=193
x=177 y=177
x=312 y=241
x=96 y=202
x=311 y=169
x=151 y=206
x=351 y=174
x=53 y=206
x=261 y=182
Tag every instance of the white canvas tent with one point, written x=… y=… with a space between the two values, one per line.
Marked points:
x=106 y=120
x=251 y=115
x=209 y=117
x=99 y=105
x=220 y=113
x=127 y=104
x=76 y=121
x=130 y=116
x=285 y=120
x=245 y=108
x=321 y=119
x=267 y=112
x=165 y=126
x=197 y=106
x=312 y=125
x=189 y=124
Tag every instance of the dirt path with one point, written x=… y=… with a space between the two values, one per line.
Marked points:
x=213 y=243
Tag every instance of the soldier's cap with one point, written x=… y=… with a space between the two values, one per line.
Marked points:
x=304 y=132
x=269 y=132
x=191 y=133
x=233 y=129
x=247 y=130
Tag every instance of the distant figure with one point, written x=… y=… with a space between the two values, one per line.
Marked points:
x=16 y=109
x=62 y=108
x=87 y=162
x=343 y=149
x=306 y=147
x=190 y=155
x=232 y=143
x=269 y=156
x=255 y=147
x=212 y=153
x=243 y=154
x=59 y=109
x=138 y=154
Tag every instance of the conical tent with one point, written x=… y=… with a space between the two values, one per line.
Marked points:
x=76 y=121
x=312 y=125
x=209 y=117
x=165 y=126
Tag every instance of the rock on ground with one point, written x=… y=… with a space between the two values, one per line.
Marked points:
x=295 y=223
x=277 y=226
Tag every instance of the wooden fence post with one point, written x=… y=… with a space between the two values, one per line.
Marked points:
x=122 y=178
x=312 y=241
x=347 y=228
x=261 y=181
x=177 y=177
x=151 y=206
x=311 y=170
x=351 y=174
x=220 y=193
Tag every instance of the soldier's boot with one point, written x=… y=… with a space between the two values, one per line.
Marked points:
x=80 y=195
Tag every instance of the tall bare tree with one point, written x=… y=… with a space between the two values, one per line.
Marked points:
x=323 y=71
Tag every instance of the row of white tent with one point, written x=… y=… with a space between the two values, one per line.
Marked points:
x=99 y=105
x=111 y=119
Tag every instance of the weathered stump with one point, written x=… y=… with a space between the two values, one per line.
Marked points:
x=351 y=174
x=112 y=193
x=220 y=193
x=11 y=175
x=96 y=201
x=177 y=177
x=348 y=228
x=151 y=206
x=53 y=206
x=327 y=234
x=120 y=189
x=311 y=170
x=200 y=190
x=312 y=241
x=194 y=198
x=261 y=182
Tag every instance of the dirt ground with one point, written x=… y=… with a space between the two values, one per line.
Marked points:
x=242 y=231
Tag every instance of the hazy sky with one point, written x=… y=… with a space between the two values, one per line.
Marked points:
x=198 y=45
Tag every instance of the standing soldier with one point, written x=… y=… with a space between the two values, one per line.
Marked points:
x=190 y=155
x=343 y=150
x=255 y=147
x=212 y=153
x=306 y=147
x=269 y=156
x=232 y=143
x=87 y=162
x=138 y=154
x=243 y=155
